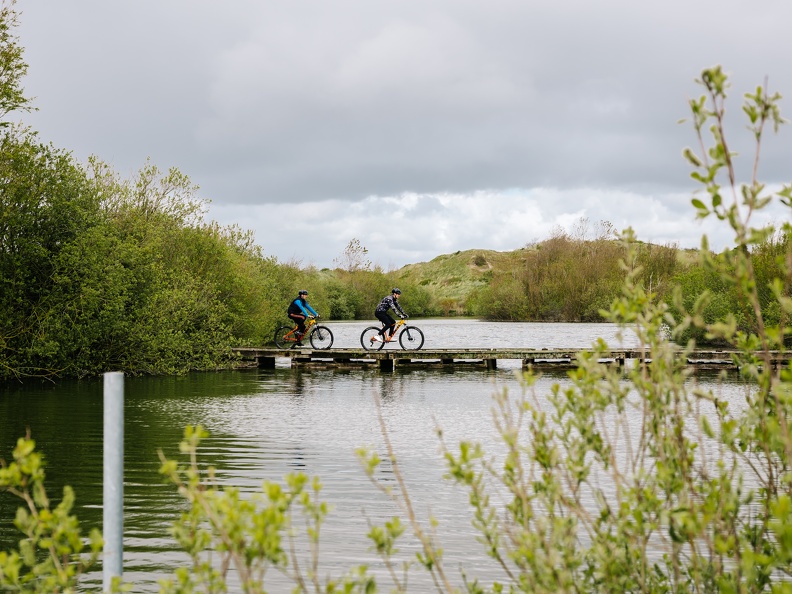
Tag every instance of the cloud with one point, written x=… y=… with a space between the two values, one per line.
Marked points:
x=408 y=228
x=551 y=109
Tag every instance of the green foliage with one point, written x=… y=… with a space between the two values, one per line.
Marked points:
x=103 y=273
x=417 y=301
x=100 y=273
x=565 y=278
x=570 y=276
x=503 y=299
x=222 y=530
x=343 y=301
x=705 y=289
x=12 y=66
x=450 y=279
x=46 y=205
x=50 y=557
x=343 y=295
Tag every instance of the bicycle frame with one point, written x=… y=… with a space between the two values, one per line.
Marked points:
x=292 y=335
x=396 y=328
x=320 y=337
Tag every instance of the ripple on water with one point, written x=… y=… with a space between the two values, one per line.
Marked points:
x=267 y=423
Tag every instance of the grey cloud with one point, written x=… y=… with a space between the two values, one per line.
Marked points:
x=295 y=101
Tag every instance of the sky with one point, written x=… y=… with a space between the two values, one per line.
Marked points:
x=417 y=127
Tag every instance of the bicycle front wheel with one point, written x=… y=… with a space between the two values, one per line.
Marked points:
x=284 y=336
x=321 y=337
x=367 y=336
x=411 y=338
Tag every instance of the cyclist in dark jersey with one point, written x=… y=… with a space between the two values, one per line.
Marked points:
x=389 y=302
x=299 y=310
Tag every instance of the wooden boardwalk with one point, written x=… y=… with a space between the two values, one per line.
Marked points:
x=388 y=359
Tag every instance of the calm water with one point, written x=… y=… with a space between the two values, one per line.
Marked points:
x=267 y=423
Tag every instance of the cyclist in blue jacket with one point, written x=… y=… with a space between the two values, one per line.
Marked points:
x=388 y=302
x=299 y=310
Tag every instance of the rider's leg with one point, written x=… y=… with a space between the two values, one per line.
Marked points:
x=299 y=319
x=382 y=317
x=386 y=320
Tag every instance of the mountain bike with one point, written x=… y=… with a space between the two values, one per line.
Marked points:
x=320 y=337
x=410 y=337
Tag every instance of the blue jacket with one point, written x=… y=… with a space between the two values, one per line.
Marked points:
x=300 y=305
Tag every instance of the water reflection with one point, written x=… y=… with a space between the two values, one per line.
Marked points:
x=265 y=424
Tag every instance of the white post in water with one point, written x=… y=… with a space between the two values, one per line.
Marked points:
x=113 y=507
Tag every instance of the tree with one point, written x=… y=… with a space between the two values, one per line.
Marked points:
x=354 y=258
x=46 y=204
x=12 y=66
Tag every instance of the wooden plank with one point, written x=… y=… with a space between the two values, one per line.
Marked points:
x=388 y=359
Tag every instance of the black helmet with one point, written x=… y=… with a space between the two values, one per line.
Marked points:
x=396 y=290
x=303 y=292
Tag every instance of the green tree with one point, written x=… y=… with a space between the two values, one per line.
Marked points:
x=46 y=204
x=12 y=65
x=705 y=289
x=343 y=301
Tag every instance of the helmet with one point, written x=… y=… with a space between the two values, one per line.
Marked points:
x=396 y=290
x=303 y=292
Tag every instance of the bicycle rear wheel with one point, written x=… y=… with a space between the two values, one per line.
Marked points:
x=367 y=335
x=321 y=337
x=284 y=336
x=411 y=338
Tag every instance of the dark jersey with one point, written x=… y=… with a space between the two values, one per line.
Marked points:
x=389 y=302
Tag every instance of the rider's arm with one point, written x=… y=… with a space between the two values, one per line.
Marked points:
x=311 y=309
x=302 y=307
x=398 y=308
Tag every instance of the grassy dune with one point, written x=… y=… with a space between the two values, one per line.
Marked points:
x=451 y=278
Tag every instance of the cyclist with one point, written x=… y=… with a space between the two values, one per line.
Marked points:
x=388 y=302
x=299 y=310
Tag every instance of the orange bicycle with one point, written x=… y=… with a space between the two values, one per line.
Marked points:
x=410 y=337
x=320 y=337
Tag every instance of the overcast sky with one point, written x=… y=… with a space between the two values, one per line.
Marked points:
x=419 y=127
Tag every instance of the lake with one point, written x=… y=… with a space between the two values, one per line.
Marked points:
x=267 y=423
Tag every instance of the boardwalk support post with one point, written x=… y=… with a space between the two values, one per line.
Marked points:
x=113 y=491
x=265 y=362
x=387 y=364
x=492 y=364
